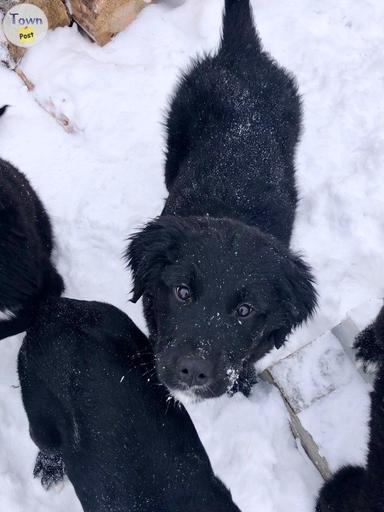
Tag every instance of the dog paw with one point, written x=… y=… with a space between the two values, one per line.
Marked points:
x=50 y=469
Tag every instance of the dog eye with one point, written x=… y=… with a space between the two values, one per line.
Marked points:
x=244 y=310
x=183 y=293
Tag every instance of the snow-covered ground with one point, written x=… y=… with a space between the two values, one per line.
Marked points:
x=105 y=180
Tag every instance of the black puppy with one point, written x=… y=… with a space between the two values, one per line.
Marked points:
x=26 y=271
x=98 y=413
x=221 y=286
x=357 y=489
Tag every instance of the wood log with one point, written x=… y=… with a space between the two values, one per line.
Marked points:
x=103 y=19
x=55 y=11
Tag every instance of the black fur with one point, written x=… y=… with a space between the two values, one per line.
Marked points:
x=362 y=489
x=233 y=128
x=27 y=273
x=98 y=413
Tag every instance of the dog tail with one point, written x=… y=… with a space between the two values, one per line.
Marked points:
x=239 y=32
x=3 y=110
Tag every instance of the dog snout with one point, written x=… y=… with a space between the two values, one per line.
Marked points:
x=194 y=371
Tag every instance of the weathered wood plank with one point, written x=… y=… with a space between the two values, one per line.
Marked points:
x=300 y=433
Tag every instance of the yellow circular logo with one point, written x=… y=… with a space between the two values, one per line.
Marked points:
x=25 y=25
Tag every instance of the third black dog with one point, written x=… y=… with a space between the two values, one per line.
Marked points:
x=98 y=413
x=27 y=273
x=221 y=286
x=358 y=489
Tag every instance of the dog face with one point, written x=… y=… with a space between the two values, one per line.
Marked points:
x=218 y=294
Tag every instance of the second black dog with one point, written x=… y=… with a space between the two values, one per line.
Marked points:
x=98 y=413
x=27 y=274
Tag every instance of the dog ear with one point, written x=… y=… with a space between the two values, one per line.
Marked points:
x=296 y=294
x=151 y=249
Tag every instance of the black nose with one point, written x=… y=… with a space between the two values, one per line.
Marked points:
x=194 y=371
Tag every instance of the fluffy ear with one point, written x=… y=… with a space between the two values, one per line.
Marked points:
x=296 y=294
x=151 y=249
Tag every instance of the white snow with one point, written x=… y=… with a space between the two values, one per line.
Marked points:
x=314 y=371
x=104 y=181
